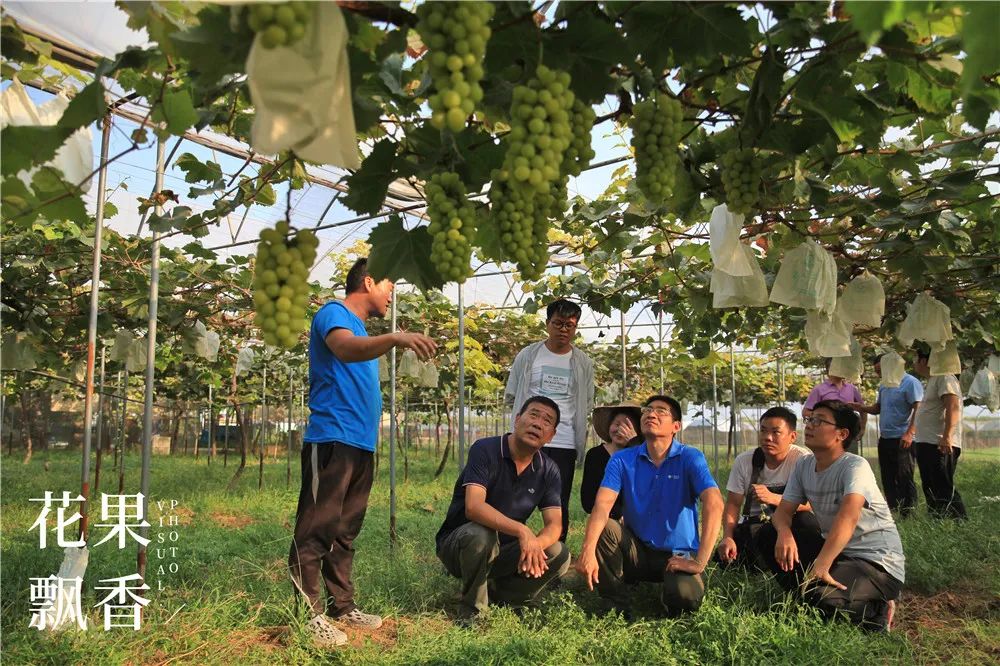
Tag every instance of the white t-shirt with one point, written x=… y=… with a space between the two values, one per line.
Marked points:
x=552 y=376
x=930 y=413
x=739 y=475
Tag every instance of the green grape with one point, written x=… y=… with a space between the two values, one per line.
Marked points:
x=281 y=285
x=656 y=131
x=741 y=180
x=580 y=152
x=452 y=224
x=279 y=23
x=456 y=34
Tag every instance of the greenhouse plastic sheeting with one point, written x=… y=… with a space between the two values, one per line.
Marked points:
x=807 y=279
x=724 y=242
x=862 y=302
x=302 y=94
x=893 y=368
x=730 y=291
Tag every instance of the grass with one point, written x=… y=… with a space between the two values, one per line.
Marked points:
x=230 y=601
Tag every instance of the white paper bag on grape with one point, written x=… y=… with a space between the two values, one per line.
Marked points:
x=828 y=336
x=927 y=319
x=724 y=243
x=409 y=365
x=893 y=368
x=428 y=376
x=383 y=370
x=993 y=363
x=730 y=291
x=138 y=352
x=863 y=301
x=75 y=158
x=302 y=93
x=16 y=352
x=944 y=360
x=807 y=279
x=848 y=367
x=985 y=389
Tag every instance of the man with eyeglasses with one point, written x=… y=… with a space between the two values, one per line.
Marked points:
x=853 y=564
x=484 y=540
x=756 y=481
x=660 y=482
x=554 y=368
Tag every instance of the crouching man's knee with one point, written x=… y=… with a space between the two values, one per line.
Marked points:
x=682 y=592
x=557 y=557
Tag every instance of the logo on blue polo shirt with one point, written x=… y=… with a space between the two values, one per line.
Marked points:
x=531 y=490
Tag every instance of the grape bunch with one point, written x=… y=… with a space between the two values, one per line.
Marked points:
x=453 y=223
x=522 y=220
x=455 y=34
x=579 y=153
x=278 y=23
x=741 y=179
x=280 y=283
x=656 y=131
x=540 y=132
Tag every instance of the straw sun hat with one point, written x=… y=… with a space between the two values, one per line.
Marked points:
x=604 y=414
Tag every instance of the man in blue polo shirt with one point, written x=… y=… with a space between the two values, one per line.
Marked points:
x=345 y=407
x=484 y=540
x=897 y=406
x=660 y=482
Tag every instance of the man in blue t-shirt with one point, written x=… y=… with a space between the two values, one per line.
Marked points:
x=897 y=407
x=484 y=539
x=660 y=482
x=345 y=408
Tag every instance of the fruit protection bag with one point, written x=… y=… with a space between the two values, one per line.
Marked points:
x=893 y=368
x=807 y=279
x=927 y=319
x=409 y=365
x=985 y=389
x=428 y=376
x=730 y=291
x=862 y=302
x=828 y=336
x=944 y=360
x=848 y=367
x=302 y=93
x=724 y=243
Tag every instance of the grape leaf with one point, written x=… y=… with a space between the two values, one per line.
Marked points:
x=398 y=254
x=23 y=146
x=86 y=107
x=367 y=187
x=177 y=111
x=590 y=46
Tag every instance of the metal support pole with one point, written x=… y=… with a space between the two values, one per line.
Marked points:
x=95 y=290
x=122 y=435
x=291 y=397
x=392 y=430
x=147 y=411
x=732 y=378
x=624 y=366
x=100 y=423
x=211 y=426
x=715 y=418
x=461 y=378
x=659 y=325
x=263 y=430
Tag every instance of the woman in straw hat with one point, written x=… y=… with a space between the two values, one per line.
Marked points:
x=618 y=427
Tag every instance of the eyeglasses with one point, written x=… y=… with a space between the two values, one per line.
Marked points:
x=541 y=416
x=659 y=411
x=815 y=421
x=563 y=325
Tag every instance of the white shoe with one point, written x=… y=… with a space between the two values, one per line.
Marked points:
x=324 y=634
x=362 y=620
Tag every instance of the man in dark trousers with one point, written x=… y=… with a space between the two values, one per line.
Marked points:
x=345 y=405
x=484 y=540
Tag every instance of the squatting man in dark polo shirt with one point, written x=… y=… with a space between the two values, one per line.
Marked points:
x=484 y=540
x=660 y=482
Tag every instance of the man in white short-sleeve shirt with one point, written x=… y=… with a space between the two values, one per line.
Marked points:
x=555 y=369
x=938 y=441
x=756 y=481
x=853 y=564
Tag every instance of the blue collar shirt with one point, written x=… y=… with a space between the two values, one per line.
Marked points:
x=659 y=504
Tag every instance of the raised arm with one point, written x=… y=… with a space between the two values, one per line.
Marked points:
x=350 y=348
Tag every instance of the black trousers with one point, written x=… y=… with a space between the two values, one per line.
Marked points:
x=937 y=476
x=565 y=460
x=325 y=528
x=870 y=588
x=748 y=547
x=895 y=465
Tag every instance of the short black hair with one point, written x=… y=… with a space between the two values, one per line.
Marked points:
x=783 y=413
x=826 y=364
x=541 y=399
x=563 y=308
x=675 y=407
x=923 y=353
x=843 y=417
x=877 y=358
x=356 y=276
